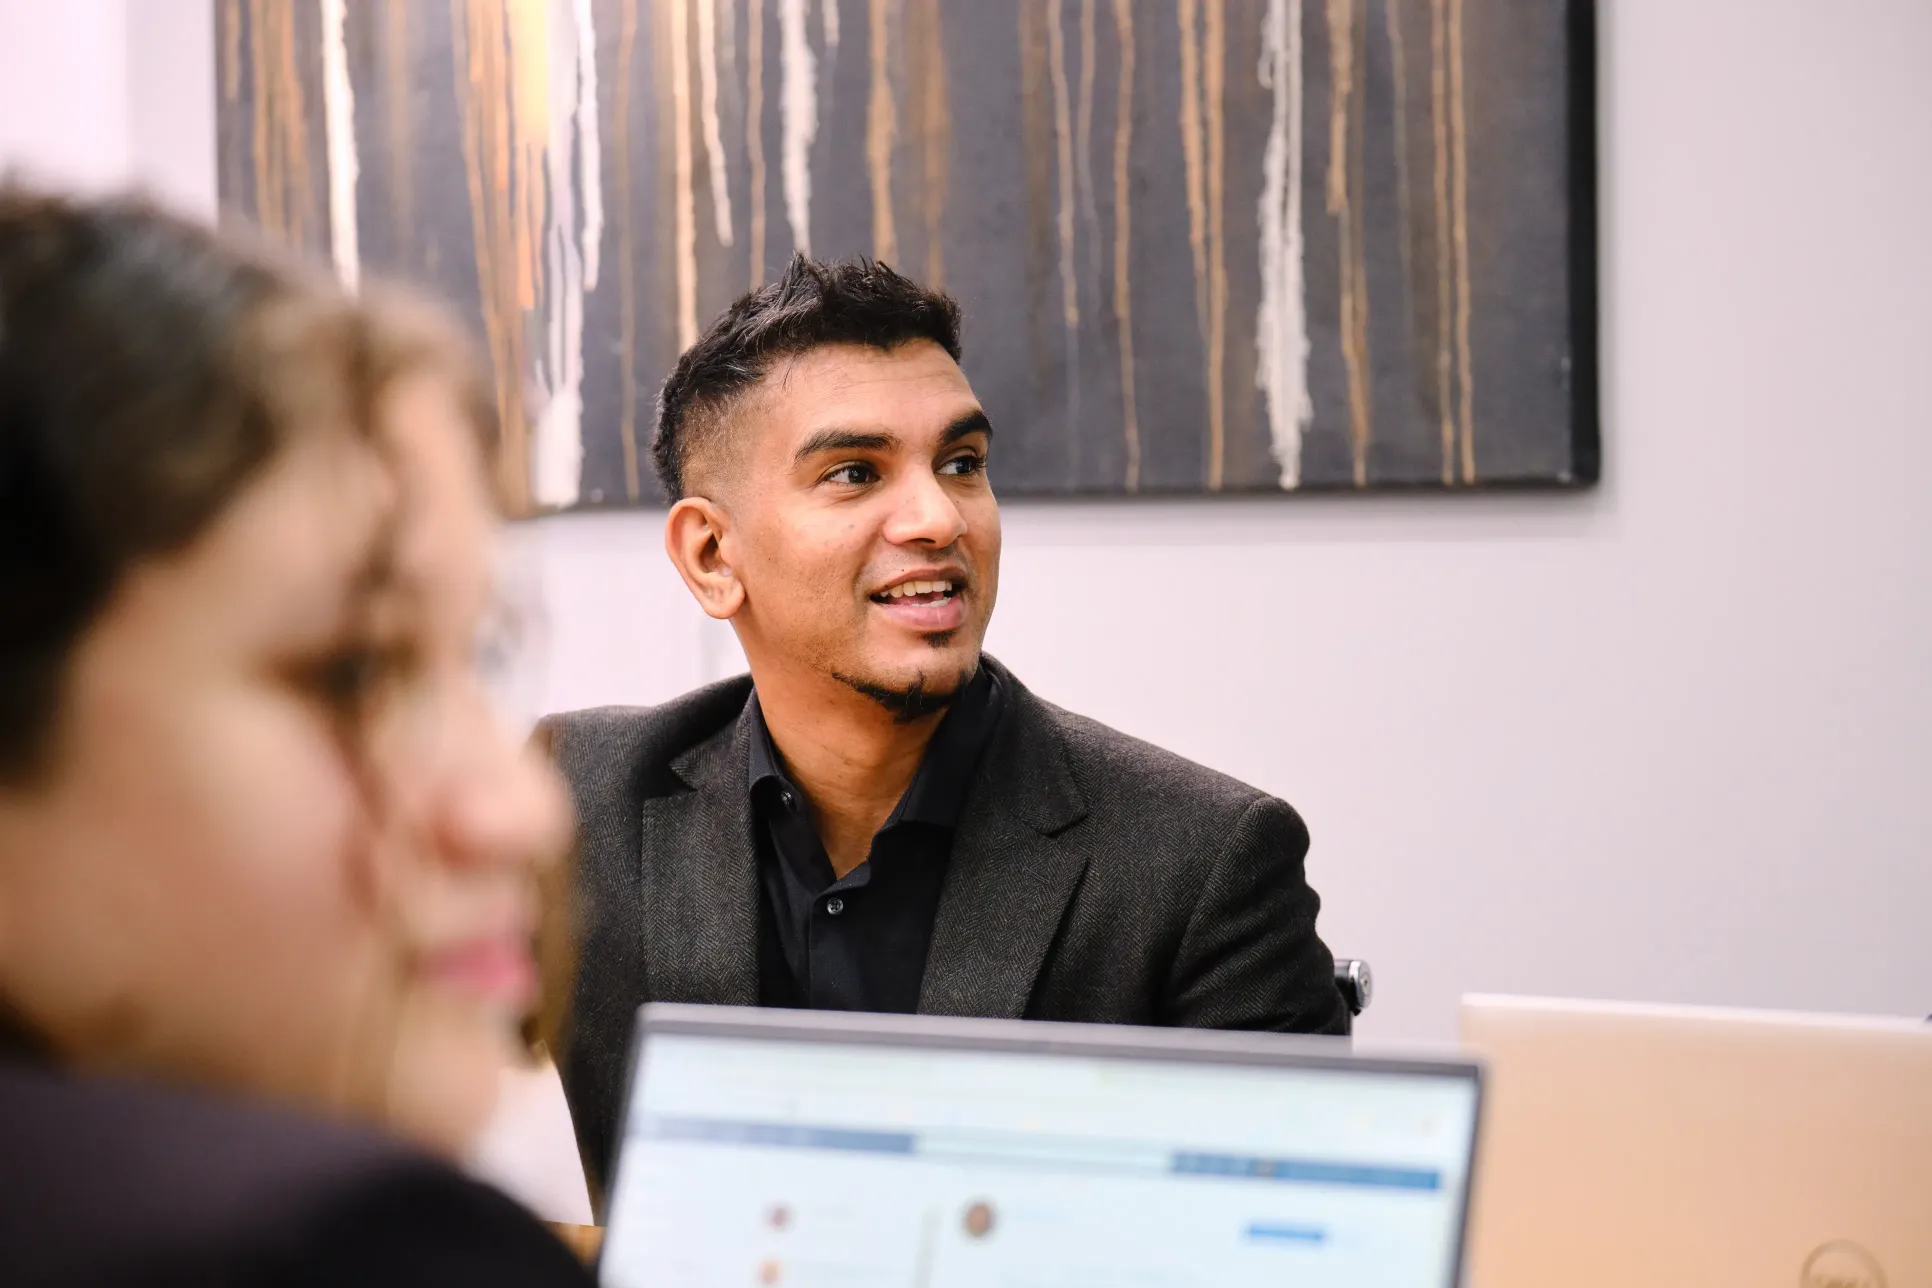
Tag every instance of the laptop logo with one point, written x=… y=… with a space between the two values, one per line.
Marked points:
x=1841 y=1264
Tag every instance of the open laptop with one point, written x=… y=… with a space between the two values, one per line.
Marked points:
x=1680 y=1145
x=804 y=1149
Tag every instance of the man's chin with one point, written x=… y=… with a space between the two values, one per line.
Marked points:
x=911 y=693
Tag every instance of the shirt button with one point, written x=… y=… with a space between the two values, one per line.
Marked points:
x=788 y=800
x=834 y=906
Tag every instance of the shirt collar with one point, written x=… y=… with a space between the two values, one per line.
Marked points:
x=937 y=793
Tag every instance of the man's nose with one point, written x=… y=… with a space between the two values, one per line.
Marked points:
x=925 y=515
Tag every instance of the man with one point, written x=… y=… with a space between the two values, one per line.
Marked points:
x=879 y=817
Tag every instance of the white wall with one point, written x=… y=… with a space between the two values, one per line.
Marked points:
x=1662 y=740
x=64 y=91
x=171 y=93
x=100 y=93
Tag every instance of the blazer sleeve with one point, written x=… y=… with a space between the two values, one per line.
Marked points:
x=1249 y=955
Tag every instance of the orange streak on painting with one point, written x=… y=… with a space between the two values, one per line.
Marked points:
x=1188 y=12
x=528 y=54
x=926 y=37
x=230 y=50
x=1083 y=138
x=1063 y=140
x=1123 y=235
x=267 y=209
x=295 y=128
x=280 y=130
x=1344 y=180
x=1358 y=242
x=881 y=131
x=626 y=252
x=1037 y=130
x=1214 y=65
x=1399 y=61
x=1461 y=156
x=755 y=132
x=1439 y=118
x=281 y=126
x=685 y=229
x=479 y=48
x=400 y=126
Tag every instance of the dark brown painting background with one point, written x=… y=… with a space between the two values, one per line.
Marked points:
x=1446 y=267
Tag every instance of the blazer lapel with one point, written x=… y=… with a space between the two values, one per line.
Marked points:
x=1011 y=873
x=700 y=880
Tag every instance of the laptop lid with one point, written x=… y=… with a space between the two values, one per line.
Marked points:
x=807 y=1148
x=1684 y=1145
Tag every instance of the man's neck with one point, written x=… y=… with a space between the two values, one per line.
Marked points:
x=850 y=755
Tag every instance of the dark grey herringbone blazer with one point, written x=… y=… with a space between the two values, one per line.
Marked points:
x=1093 y=878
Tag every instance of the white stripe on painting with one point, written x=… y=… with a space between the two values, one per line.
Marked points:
x=339 y=125
x=590 y=145
x=557 y=451
x=684 y=221
x=798 y=105
x=708 y=107
x=1281 y=323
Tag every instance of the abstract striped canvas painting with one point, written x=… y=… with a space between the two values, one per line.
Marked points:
x=1202 y=245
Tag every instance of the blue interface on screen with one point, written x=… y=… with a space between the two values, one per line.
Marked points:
x=753 y=1163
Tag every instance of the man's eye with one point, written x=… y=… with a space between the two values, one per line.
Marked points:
x=852 y=475
x=964 y=464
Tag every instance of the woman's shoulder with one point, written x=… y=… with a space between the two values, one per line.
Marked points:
x=110 y=1181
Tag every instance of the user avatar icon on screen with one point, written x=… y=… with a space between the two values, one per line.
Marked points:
x=979 y=1219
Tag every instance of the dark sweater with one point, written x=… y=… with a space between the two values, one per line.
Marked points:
x=112 y=1182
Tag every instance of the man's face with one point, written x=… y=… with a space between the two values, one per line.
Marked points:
x=863 y=529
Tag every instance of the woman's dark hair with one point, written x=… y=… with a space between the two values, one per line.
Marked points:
x=149 y=369
x=814 y=303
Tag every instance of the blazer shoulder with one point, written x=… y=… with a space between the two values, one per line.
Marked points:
x=1122 y=775
x=608 y=748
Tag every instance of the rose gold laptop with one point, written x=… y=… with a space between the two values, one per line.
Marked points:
x=1654 y=1145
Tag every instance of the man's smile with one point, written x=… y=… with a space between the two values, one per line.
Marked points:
x=925 y=600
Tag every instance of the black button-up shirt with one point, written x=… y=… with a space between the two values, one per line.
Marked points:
x=858 y=942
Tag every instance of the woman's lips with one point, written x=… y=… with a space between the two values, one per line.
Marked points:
x=496 y=970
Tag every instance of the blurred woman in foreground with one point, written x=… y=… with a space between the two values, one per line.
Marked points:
x=259 y=833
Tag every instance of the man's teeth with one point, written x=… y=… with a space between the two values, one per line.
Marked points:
x=905 y=588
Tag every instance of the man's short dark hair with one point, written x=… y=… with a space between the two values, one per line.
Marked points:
x=814 y=303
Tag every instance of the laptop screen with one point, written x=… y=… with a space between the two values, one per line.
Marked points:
x=754 y=1161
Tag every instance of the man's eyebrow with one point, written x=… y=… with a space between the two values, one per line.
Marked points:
x=843 y=440
x=854 y=440
x=973 y=422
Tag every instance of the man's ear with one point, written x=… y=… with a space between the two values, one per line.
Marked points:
x=694 y=536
